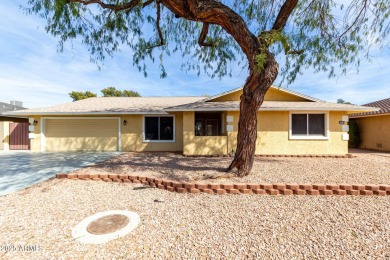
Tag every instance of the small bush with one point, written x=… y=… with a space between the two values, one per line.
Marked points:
x=354 y=135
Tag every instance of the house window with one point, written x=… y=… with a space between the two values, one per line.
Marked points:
x=159 y=128
x=209 y=124
x=308 y=126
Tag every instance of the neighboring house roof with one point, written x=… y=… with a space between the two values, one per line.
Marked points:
x=111 y=105
x=383 y=105
x=278 y=88
x=270 y=106
x=4 y=107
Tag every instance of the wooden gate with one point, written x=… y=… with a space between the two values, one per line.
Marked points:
x=18 y=137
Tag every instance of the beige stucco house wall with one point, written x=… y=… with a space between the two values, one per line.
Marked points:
x=374 y=132
x=3 y=135
x=100 y=130
x=132 y=136
x=374 y=126
x=118 y=124
x=272 y=137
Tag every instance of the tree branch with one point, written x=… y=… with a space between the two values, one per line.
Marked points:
x=206 y=11
x=297 y=52
x=127 y=6
x=360 y=16
x=147 y=3
x=215 y=12
x=160 y=35
x=113 y=7
x=202 y=37
x=284 y=14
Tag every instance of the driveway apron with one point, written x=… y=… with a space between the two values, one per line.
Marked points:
x=19 y=170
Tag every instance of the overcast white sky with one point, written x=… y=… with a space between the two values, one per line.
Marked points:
x=33 y=72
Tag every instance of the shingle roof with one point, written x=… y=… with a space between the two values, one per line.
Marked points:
x=270 y=106
x=4 y=107
x=111 y=105
x=383 y=104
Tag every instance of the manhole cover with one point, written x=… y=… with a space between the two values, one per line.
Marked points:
x=108 y=224
x=105 y=226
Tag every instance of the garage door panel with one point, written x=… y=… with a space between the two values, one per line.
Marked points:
x=81 y=134
x=81 y=144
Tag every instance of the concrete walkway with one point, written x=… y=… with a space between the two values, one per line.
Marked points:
x=21 y=169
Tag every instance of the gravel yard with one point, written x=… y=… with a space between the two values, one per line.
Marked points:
x=203 y=226
x=197 y=226
x=366 y=168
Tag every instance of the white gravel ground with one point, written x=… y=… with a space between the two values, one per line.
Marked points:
x=201 y=226
x=367 y=168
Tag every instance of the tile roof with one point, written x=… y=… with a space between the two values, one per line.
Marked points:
x=270 y=106
x=111 y=105
x=383 y=104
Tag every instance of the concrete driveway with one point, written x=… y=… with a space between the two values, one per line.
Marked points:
x=19 y=170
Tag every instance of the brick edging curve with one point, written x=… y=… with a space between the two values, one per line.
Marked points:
x=282 y=155
x=238 y=188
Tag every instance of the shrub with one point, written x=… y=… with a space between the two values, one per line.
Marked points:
x=354 y=135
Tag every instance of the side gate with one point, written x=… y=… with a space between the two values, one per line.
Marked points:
x=18 y=137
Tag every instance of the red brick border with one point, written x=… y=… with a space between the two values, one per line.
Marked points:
x=239 y=188
x=284 y=155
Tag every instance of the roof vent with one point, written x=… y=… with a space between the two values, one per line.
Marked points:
x=16 y=103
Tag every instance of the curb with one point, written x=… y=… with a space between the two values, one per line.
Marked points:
x=238 y=188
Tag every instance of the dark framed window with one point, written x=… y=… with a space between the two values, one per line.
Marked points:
x=308 y=125
x=159 y=128
x=209 y=124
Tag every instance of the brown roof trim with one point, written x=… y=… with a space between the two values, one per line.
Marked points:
x=383 y=105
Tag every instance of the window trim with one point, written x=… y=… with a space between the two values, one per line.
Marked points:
x=158 y=141
x=309 y=137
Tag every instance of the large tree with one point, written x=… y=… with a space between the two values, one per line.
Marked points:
x=212 y=34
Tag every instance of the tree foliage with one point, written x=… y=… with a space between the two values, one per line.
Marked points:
x=342 y=101
x=329 y=35
x=107 y=92
x=354 y=135
x=113 y=92
x=79 y=95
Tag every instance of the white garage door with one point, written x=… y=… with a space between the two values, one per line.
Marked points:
x=82 y=134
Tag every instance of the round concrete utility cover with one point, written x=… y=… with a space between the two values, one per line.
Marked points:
x=105 y=226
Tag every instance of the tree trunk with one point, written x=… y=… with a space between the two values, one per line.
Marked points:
x=253 y=95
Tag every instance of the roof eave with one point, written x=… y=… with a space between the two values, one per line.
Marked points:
x=89 y=113
x=369 y=115
x=273 y=109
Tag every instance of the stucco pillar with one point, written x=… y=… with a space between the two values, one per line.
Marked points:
x=5 y=136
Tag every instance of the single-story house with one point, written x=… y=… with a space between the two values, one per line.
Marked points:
x=289 y=123
x=374 y=126
x=13 y=130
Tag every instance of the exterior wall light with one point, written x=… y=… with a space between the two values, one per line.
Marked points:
x=124 y=122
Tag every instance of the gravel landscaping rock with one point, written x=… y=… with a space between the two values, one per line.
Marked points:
x=365 y=168
x=201 y=226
